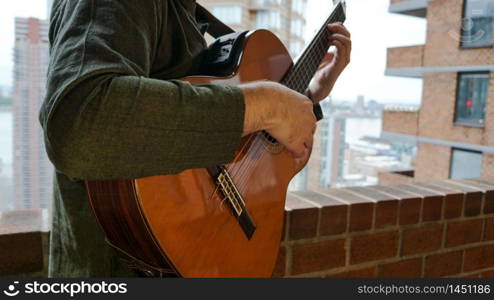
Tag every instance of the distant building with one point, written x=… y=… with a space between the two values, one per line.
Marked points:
x=454 y=126
x=49 y=4
x=32 y=169
x=285 y=18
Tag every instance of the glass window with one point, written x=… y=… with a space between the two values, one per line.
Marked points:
x=297 y=27
x=268 y=2
x=478 y=23
x=471 y=98
x=295 y=47
x=298 y=6
x=230 y=14
x=268 y=19
x=465 y=164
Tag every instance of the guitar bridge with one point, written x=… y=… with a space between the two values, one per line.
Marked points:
x=235 y=201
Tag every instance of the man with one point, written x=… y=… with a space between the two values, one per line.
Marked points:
x=113 y=110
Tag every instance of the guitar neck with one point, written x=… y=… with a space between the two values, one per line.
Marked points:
x=299 y=76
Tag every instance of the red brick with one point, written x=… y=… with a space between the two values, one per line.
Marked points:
x=463 y=232
x=488 y=274
x=369 y=247
x=334 y=213
x=360 y=273
x=488 y=189
x=279 y=269
x=409 y=204
x=410 y=211
x=303 y=217
x=333 y=220
x=422 y=239
x=361 y=209
x=386 y=206
x=432 y=208
x=453 y=206
x=361 y=215
x=411 y=268
x=473 y=196
x=319 y=256
x=444 y=264
x=432 y=201
x=453 y=201
x=478 y=258
x=489 y=229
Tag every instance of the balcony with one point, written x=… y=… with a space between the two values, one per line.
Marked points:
x=417 y=8
x=433 y=229
x=402 y=120
x=405 y=61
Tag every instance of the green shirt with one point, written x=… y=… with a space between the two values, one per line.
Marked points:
x=113 y=111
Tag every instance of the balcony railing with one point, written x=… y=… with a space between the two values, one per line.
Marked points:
x=434 y=229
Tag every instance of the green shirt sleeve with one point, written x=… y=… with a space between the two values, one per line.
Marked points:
x=105 y=118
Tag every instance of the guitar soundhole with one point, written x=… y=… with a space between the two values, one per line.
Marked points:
x=271 y=144
x=269 y=138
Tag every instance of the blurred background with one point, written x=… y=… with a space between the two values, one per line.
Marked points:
x=399 y=113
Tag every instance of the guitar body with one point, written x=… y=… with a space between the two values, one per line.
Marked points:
x=181 y=224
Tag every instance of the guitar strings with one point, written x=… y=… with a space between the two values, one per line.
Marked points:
x=240 y=172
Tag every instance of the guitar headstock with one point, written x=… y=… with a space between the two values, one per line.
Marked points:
x=343 y=4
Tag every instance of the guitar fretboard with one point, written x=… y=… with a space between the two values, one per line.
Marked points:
x=299 y=76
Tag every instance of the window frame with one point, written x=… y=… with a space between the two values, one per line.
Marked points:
x=453 y=149
x=462 y=44
x=457 y=95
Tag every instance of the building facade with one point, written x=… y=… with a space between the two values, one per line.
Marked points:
x=285 y=18
x=32 y=169
x=454 y=128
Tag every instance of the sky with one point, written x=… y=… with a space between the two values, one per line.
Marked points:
x=373 y=30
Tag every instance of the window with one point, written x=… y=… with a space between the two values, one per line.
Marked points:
x=298 y=6
x=230 y=14
x=295 y=47
x=268 y=2
x=478 y=24
x=297 y=27
x=465 y=164
x=268 y=19
x=471 y=98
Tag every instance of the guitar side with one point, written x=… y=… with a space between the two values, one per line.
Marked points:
x=181 y=223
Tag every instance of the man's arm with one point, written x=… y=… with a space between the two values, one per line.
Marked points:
x=120 y=124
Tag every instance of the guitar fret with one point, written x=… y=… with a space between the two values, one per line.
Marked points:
x=298 y=78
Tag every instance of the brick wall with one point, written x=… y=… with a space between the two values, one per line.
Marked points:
x=437 y=113
x=405 y=122
x=444 y=18
x=432 y=162
x=406 y=57
x=434 y=229
x=437 y=229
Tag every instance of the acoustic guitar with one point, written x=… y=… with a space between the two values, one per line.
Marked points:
x=227 y=220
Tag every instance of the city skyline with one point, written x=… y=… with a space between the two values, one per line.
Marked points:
x=33 y=172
